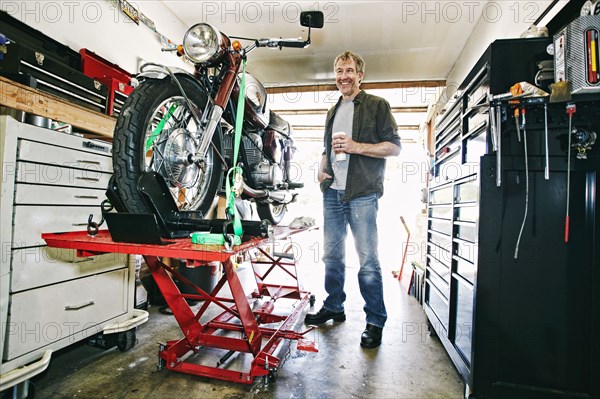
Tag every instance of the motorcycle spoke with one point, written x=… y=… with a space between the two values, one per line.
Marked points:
x=156 y=151
x=172 y=136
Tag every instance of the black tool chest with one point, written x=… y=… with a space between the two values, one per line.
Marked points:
x=37 y=60
x=520 y=318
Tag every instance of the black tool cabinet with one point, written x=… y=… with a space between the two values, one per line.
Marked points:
x=524 y=327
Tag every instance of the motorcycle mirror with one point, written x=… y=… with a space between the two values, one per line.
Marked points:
x=312 y=19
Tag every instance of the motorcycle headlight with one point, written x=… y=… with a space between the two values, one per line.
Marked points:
x=202 y=43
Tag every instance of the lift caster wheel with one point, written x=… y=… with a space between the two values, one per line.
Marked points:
x=126 y=340
x=431 y=329
x=311 y=300
x=161 y=364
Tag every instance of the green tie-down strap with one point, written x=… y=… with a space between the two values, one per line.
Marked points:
x=233 y=184
x=234 y=179
x=159 y=128
x=213 y=239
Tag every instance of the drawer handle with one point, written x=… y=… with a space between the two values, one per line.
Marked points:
x=90 y=179
x=89 y=259
x=86 y=196
x=90 y=162
x=84 y=305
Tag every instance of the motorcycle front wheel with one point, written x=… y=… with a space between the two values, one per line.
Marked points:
x=155 y=131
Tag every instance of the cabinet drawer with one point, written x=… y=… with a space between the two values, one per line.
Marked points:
x=476 y=146
x=438 y=303
x=439 y=282
x=31 y=221
x=467 y=192
x=450 y=168
x=478 y=94
x=37 y=194
x=441 y=254
x=38 y=266
x=441 y=240
x=441 y=212
x=478 y=88
x=38 y=173
x=441 y=226
x=464 y=319
x=465 y=268
x=451 y=113
x=442 y=195
x=440 y=268
x=33 y=151
x=45 y=315
x=466 y=231
x=467 y=250
x=477 y=121
x=467 y=213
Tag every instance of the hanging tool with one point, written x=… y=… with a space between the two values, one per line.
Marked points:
x=571 y=109
x=516 y=113
x=517 y=91
x=493 y=127
x=547 y=166
x=499 y=144
x=526 y=185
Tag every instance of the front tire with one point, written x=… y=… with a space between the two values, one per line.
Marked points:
x=155 y=131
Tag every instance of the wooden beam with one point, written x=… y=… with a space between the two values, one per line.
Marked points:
x=24 y=98
x=366 y=86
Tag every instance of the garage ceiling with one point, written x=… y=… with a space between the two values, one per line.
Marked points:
x=410 y=47
x=400 y=40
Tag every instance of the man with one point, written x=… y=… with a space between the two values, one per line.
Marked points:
x=351 y=190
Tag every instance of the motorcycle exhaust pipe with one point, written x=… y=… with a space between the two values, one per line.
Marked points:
x=283 y=197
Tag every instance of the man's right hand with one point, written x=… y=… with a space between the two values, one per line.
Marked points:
x=324 y=176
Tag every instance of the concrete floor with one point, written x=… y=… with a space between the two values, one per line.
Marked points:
x=409 y=364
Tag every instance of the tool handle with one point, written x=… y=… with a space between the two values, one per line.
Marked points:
x=567 y=229
x=405 y=226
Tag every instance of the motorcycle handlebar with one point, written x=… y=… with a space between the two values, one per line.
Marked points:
x=296 y=43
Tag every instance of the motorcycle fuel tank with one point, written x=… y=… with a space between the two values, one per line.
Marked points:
x=256 y=96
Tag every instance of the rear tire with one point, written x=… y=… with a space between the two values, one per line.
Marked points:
x=274 y=213
x=140 y=146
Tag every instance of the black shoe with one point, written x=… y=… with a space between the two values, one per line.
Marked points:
x=323 y=315
x=371 y=337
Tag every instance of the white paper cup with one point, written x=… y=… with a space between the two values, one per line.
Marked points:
x=339 y=156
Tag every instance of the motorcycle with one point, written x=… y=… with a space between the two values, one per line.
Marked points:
x=182 y=126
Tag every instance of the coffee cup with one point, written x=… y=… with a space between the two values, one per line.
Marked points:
x=339 y=156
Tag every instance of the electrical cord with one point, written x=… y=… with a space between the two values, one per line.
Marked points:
x=526 y=188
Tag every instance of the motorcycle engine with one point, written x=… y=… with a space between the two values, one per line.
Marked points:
x=263 y=172
x=252 y=145
x=267 y=174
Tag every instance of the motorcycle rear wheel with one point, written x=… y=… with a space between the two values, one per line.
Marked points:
x=274 y=213
x=154 y=132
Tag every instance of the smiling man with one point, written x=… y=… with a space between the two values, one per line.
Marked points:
x=352 y=185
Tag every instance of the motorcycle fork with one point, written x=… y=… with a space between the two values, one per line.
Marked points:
x=220 y=101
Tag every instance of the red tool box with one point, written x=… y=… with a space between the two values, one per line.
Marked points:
x=246 y=325
x=116 y=79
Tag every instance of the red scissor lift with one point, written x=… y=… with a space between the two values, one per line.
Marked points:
x=238 y=328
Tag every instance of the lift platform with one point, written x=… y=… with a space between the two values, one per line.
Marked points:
x=247 y=325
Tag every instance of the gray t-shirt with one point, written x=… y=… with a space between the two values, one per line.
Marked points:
x=342 y=122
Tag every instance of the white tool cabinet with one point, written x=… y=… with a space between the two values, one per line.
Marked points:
x=50 y=298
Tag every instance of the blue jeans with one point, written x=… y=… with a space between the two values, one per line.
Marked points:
x=361 y=214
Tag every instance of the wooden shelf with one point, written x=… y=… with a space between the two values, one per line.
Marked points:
x=24 y=98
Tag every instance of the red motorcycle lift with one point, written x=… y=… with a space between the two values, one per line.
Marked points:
x=238 y=328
